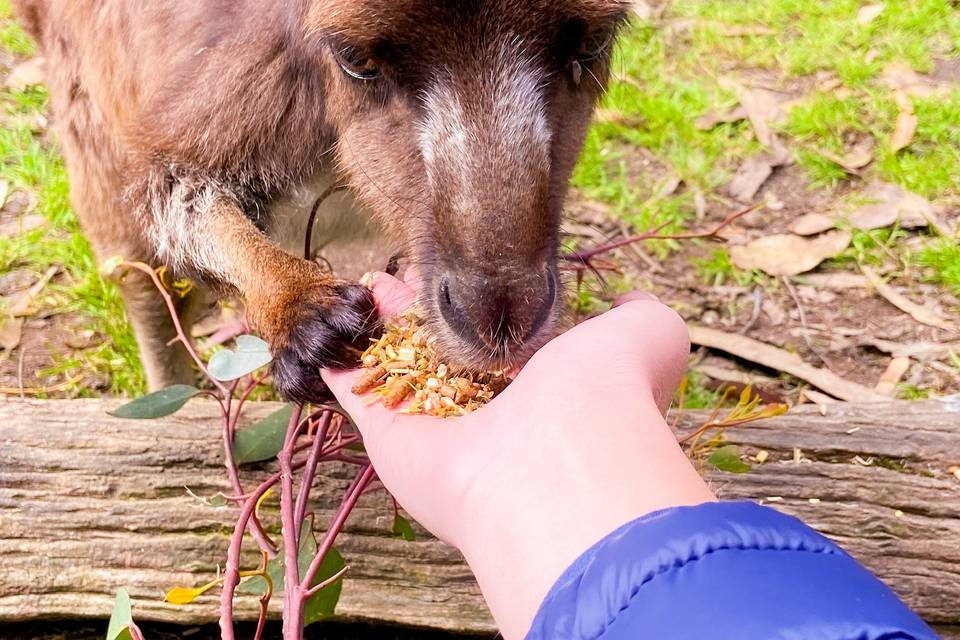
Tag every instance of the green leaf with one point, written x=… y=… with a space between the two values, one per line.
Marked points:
x=158 y=404
x=728 y=459
x=251 y=354
x=323 y=603
x=403 y=529
x=122 y=616
x=263 y=440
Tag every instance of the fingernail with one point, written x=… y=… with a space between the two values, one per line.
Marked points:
x=635 y=295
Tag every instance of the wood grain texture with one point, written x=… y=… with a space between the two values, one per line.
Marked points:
x=89 y=503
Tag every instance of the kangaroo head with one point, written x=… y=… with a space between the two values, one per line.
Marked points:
x=458 y=123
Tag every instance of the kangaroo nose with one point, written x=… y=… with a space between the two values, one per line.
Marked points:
x=491 y=314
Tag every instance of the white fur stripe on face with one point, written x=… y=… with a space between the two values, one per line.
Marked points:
x=502 y=114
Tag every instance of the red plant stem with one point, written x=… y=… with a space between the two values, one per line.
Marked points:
x=342 y=444
x=172 y=308
x=312 y=591
x=342 y=457
x=225 y=400
x=293 y=601
x=256 y=529
x=134 y=630
x=364 y=477
x=584 y=257
x=262 y=620
x=306 y=482
x=231 y=572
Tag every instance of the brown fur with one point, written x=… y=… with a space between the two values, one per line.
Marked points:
x=181 y=121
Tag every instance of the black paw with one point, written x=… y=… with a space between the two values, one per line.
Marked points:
x=331 y=331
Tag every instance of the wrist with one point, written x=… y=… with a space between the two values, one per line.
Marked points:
x=522 y=537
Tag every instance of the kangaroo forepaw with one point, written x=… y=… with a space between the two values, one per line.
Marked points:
x=328 y=328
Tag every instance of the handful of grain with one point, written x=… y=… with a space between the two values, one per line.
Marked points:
x=402 y=365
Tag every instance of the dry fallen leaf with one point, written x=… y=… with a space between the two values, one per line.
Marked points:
x=854 y=159
x=713 y=118
x=762 y=109
x=613 y=116
x=756 y=170
x=869 y=12
x=811 y=224
x=22 y=224
x=781 y=360
x=838 y=280
x=905 y=129
x=888 y=204
x=11 y=330
x=750 y=177
x=922 y=351
x=26 y=74
x=898 y=367
x=900 y=77
x=789 y=255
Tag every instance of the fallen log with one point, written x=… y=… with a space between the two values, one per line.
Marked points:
x=90 y=503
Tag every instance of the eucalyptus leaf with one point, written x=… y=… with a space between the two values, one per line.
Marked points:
x=728 y=459
x=403 y=529
x=263 y=440
x=122 y=617
x=251 y=354
x=157 y=404
x=323 y=603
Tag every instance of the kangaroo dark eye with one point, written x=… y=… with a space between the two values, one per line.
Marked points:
x=594 y=47
x=356 y=64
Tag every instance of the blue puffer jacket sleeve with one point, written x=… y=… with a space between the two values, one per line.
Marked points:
x=725 y=570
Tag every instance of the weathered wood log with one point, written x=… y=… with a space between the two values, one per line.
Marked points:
x=90 y=503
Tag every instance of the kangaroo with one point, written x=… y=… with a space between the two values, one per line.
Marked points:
x=196 y=130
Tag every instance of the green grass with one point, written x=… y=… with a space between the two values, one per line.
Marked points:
x=30 y=165
x=716 y=269
x=802 y=37
x=661 y=81
x=644 y=90
x=942 y=259
x=927 y=167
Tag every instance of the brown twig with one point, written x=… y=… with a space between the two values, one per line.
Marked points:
x=178 y=326
x=308 y=241
x=584 y=258
x=757 y=307
x=803 y=322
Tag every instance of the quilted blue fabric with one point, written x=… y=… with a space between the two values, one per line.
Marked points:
x=732 y=570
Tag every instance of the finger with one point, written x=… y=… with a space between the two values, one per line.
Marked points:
x=658 y=340
x=639 y=338
x=393 y=296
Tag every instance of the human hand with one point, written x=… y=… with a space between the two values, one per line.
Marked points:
x=574 y=448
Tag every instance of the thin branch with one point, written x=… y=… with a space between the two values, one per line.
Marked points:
x=292 y=603
x=306 y=482
x=326 y=583
x=364 y=477
x=308 y=241
x=584 y=258
x=803 y=322
x=172 y=308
